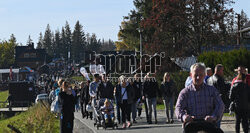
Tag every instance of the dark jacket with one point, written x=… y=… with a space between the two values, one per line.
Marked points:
x=84 y=94
x=219 y=83
x=239 y=95
x=150 y=89
x=137 y=89
x=168 y=89
x=105 y=92
x=67 y=103
x=130 y=93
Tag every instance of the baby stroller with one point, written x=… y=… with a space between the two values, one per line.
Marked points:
x=99 y=120
x=198 y=125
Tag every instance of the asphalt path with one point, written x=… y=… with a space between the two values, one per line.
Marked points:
x=87 y=125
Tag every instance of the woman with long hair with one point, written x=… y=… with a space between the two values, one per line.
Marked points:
x=125 y=95
x=168 y=90
x=239 y=96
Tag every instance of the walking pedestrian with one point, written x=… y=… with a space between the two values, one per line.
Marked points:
x=105 y=89
x=117 y=97
x=239 y=96
x=125 y=95
x=168 y=90
x=150 y=90
x=137 y=92
x=218 y=82
x=199 y=100
x=93 y=91
x=67 y=102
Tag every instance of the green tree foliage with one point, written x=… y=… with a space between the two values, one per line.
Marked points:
x=78 y=42
x=13 y=39
x=128 y=36
x=40 y=41
x=47 y=41
x=7 y=54
x=68 y=41
x=93 y=44
x=30 y=41
x=108 y=45
x=64 y=49
x=177 y=27
x=60 y=43
x=57 y=44
x=230 y=60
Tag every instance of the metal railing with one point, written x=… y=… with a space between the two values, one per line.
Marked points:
x=16 y=105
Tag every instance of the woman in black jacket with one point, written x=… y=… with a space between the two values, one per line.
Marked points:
x=137 y=91
x=124 y=96
x=105 y=89
x=150 y=92
x=85 y=99
x=67 y=103
x=239 y=96
x=168 y=90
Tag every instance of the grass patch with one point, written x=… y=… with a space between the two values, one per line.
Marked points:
x=228 y=115
x=3 y=97
x=160 y=107
x=38 y=119
x=78 y=78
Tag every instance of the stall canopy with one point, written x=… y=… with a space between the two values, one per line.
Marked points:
x=26 y=69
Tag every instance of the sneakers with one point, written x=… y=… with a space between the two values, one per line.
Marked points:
x=172 y=121
x=113 y=119
x=156 y=121
x=129 y=124
x=149 y=122
x=134 y=121
x=123 y=125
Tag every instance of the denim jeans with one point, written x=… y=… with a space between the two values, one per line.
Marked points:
x=134 y=110
x=151 y=102
x=169 y=103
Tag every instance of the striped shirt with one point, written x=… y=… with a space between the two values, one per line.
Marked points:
x=199 y=104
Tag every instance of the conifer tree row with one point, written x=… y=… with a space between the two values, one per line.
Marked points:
x=71 y=44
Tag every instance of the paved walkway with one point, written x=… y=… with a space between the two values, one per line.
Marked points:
x=87 y=125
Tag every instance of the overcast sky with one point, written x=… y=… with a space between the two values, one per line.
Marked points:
x=103 y=17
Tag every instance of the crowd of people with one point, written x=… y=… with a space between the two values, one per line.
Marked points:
x=206 y=96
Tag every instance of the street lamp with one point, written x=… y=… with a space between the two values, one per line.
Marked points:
x=238 y=30
x=140 y=32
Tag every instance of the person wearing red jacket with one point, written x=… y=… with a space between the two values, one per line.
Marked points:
x=240 y=70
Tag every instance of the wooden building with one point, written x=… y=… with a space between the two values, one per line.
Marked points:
x=29 y=56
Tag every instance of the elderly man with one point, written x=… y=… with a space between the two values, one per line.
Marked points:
x=199 y=100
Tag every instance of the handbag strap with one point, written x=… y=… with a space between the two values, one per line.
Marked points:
x=124 y=91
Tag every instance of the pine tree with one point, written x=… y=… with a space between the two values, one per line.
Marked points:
x=94 y=44
x=57 y=44
x=64 y=49
x=78 y=42
x=68 y=41
x=29 y=41
x=47 y=41
x=108 y=45
x=40 y=41
x=13 y=39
